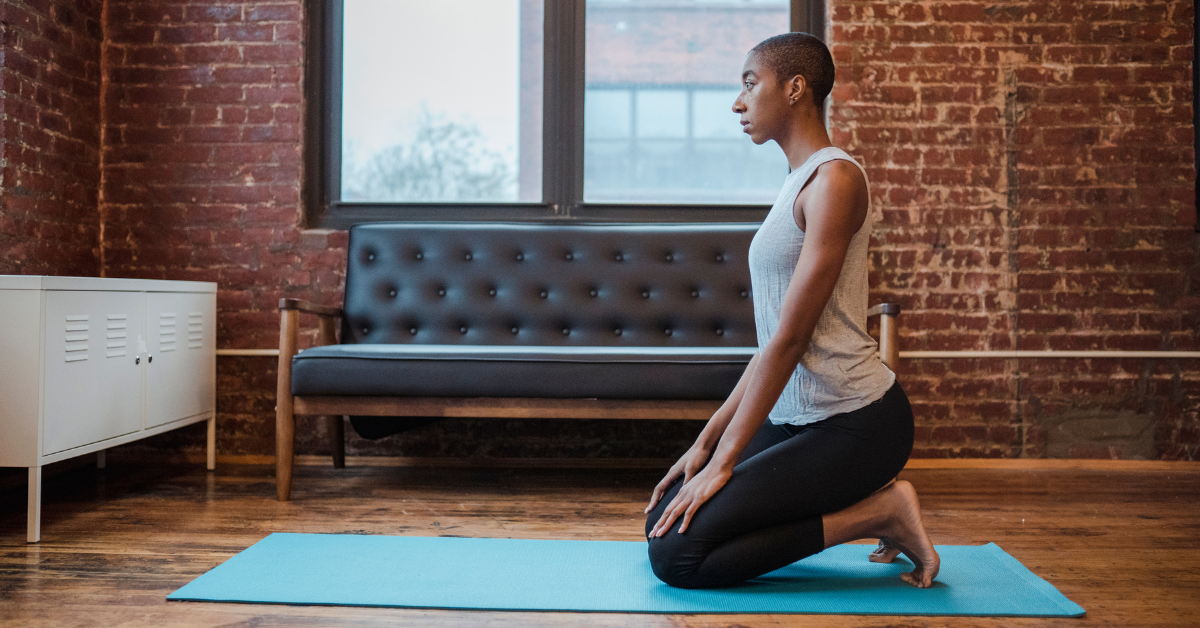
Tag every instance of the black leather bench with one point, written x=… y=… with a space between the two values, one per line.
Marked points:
x=524 y=321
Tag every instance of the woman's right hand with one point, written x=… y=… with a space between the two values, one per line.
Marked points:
x=689 y=465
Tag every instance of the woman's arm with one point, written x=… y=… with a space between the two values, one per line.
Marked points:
x=834 y=211
x=690 y=463
x=716 y=426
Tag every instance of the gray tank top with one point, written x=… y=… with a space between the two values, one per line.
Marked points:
x=841 y=371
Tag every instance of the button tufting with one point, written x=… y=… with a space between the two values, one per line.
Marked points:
x=569 y=256
x=467 y=257
x=366 y=330
x=695 y=293
x=514 y=330
x=419 y=255
x=566 y=331
x=720 y=257
x=667 y=331
x=392 y=292
x=441 y=292
x=491 y=292
x=617 y=331
x=370 y=257
x=645 y=294
x=412 y=331
x=594 y=292
x=720 y=332
x=462 y=330
x=670 y=258
x=619 y=257
x=520 y=257
x=543 y=294
x=745 y=294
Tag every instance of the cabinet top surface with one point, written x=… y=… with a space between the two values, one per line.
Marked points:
x=47 y=282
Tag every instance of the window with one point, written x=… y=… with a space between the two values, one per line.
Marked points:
x=536 y=110
x=432 y=95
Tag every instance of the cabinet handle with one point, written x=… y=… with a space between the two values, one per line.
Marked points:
x=137 y=360
x=149 y=357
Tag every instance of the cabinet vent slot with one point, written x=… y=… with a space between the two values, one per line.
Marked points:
x=116 y=339
x=166 y=331
x=75 y=342
x=195 y=330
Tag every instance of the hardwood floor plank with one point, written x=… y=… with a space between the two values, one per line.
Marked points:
x=1123 y=543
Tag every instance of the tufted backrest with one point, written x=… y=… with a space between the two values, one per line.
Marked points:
x=685 y=285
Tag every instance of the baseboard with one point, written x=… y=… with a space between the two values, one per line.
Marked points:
x=1010 y=464
x=1081 y=464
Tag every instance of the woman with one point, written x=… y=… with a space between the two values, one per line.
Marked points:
x=803 y=454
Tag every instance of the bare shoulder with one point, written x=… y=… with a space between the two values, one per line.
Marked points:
x=842 y=178
x=838 y=192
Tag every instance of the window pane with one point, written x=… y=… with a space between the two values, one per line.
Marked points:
x=442 y=101
x=682 y=62
x=662 y=113
x=607 y=113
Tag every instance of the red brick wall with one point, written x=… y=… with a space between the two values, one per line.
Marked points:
x=1031 y=164
x=49 y=137
x=1034 y=165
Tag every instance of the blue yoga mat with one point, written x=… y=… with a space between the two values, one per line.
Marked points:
x=612 y=576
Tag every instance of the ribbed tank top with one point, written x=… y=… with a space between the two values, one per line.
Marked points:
x=840 y=371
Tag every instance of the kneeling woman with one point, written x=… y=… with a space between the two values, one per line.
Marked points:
x=803 y=454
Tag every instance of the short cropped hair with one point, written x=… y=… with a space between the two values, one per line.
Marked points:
x=792 y=54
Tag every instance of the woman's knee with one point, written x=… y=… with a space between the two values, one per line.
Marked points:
x=677 y=562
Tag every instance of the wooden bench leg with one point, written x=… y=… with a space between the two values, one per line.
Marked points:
x=285 y=419
x=33 y=523
x=337 y=439
x=285 y=441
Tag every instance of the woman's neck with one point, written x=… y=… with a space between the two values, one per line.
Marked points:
x=805 y=136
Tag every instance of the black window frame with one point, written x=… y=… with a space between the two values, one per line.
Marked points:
x=562 y=136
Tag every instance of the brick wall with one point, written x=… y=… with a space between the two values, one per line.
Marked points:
x=1031 y=165
x=1033 y=162
x=49 y=137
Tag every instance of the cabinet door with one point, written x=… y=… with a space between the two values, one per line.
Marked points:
x=181 y=368
x=93 y=385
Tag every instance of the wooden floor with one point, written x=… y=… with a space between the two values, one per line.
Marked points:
x=1123 y=544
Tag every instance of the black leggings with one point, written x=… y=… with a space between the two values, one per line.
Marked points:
x=769 y=513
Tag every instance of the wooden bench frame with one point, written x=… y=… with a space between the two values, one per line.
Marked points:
x=333 y=408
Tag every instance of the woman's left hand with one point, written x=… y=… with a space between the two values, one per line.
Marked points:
x=691 y=496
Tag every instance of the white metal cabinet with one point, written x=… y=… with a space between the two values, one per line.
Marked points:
x=89 y=363
x=92 y=367
x=181 y=368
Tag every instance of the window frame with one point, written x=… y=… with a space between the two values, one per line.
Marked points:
x=562 y=136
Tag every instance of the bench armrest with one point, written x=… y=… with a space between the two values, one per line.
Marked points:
x=309 y=307
x=889 y=333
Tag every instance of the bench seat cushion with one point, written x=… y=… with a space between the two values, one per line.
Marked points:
x=519 y=371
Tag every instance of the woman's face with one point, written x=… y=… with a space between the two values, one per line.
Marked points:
x=763 y=103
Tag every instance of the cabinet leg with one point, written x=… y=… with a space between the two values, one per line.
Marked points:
x=337 y=440
x=34 y=521
x=101 y=459
x=211 y=447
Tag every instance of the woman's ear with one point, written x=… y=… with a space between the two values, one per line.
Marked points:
x=796 y=88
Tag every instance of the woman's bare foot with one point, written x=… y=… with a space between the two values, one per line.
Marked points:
x=885 y=553
x=905 y=532
x=892 y=515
